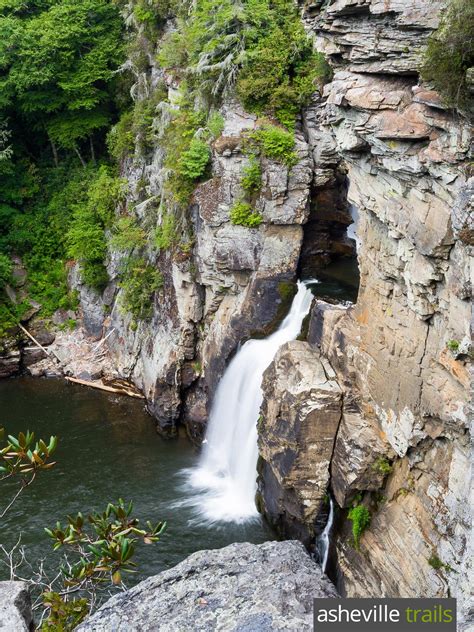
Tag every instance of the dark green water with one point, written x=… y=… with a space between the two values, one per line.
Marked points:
x=108 y=448
x=338 y=281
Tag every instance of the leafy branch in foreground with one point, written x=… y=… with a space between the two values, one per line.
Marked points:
x=21 y=456
x=98 y=548
x=104 y=543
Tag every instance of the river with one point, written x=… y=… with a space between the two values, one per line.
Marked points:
x=108 y=448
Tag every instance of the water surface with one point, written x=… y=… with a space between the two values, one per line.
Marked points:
x=108 y=448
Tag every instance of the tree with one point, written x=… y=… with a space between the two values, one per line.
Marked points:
x=57 y=62
x=450 y=54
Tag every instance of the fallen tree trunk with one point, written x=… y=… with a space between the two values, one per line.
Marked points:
x=31 y=337
x=101 y=386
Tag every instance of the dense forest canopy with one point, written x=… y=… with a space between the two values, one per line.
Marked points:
x=60 y=89
x=67 y=123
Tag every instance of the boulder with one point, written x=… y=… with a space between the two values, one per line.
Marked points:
x=15 y=607
x=242 y=587
x=299 y=419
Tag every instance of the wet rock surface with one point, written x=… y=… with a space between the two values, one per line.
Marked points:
x=298 y=423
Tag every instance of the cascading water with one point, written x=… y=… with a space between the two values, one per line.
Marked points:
x=352 y=228
x=322 y=543
x=224 y=483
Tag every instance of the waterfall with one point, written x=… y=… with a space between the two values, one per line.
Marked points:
x=322 y=543
x=352 y=228
x=224 y=481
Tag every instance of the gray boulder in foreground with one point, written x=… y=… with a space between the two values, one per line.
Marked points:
x=240 y=588
x=15 y=607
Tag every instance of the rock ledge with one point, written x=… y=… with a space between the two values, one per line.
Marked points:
x=240 y=588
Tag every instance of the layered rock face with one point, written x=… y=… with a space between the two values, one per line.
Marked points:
x=401 y=354
x=300 y=417
x=226 y=288
x=244 y=586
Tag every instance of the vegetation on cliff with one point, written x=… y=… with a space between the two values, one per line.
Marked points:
x=449 y=56
x=59 y=92
x=66 y=117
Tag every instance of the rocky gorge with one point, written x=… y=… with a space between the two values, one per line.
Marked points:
x=371 y=405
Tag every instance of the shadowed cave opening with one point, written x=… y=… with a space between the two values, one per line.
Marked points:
x=329 y=250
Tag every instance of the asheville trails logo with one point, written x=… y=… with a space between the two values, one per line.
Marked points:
x=385 y=615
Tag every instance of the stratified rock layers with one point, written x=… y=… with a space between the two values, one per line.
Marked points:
x=401 y=354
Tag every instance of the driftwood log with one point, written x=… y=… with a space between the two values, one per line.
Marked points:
x=121 y=390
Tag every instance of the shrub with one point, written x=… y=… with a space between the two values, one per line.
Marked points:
x=194 y=161
x=165 y=234
x=453 y=345
x=121 y=139
x=360 y=518
x=215 y=124
x=449 y=55
x=435 y=562
x=382 y=465
x=177 y=139
x=276 y=143
x=243 y=215
x=139 y=282
x=127 y=234
x=86 y=236
x=281 y=71
x=259 y=47
x=6 y=269
x=252 y=177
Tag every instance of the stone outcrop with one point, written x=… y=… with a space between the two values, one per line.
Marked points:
x=299 y=420
x=10 y=357
x=401 y=355
x=244 y=586
x=15 y=607
x=216 y=295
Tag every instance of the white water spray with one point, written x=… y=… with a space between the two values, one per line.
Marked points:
x=322 y=543
x=352 y=228
x=224 y=482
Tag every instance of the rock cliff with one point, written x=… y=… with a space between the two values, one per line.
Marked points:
x=401 y=354
x=234 y=281
x=373 y=406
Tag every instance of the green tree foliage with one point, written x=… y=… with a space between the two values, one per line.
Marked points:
x=6 y=268
x=139 y=282
x=23 y=458
x=59 y=89
x=102 y=543
x=449 y=55
x=258 y=46
x=98 y=548
x=194 y=161
x=251 y=180
x=275 y=143
x=127 y=234
x=165 y=233
x=215 y=124
x=86 y=237
x=57 y=61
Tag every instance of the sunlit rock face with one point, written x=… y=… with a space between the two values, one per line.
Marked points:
x=401 y=354
x=243 y=586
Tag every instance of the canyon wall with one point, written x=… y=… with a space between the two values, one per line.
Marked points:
x=373 y=406
x=401 y=355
